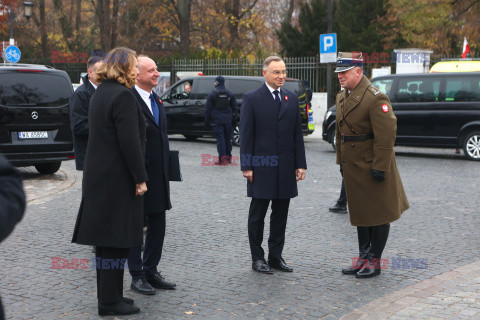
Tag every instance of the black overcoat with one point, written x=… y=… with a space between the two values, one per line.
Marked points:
x=78 y=104
x=271 y=143
x=157 y=199
x=110 y=214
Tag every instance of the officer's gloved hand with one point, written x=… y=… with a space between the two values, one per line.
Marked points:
x=378 y=175
x=341 y=170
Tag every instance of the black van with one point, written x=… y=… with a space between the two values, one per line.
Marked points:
x=186 y=110
x=34 y=117
x=438 y=110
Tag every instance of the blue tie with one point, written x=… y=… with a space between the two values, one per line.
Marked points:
x=154 y=108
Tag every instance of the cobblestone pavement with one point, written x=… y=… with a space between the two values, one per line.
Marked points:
x=207 y=254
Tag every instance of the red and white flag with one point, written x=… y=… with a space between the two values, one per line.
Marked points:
x=466 y=48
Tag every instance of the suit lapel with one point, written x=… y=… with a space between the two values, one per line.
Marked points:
x=146 y=111
x=283 y=104
x=268 y=98
x=162 y=116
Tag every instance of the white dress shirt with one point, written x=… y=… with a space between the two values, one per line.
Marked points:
x=146 y=97
x=273 y=94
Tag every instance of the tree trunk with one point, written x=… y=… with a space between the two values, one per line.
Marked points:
x=232 y=8
x=184 y=11
x=114 y=26
x=289 y=13
x=78 y=17
x=103 y=15
x=43 y=29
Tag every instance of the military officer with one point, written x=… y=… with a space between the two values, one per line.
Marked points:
x=366 y=130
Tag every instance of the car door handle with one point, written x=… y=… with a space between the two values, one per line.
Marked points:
x=198 y=103
x=186 y=103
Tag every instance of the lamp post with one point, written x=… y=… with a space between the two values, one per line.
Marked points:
x=11 y=14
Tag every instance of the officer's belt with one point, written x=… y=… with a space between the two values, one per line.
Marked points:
x=359 y=137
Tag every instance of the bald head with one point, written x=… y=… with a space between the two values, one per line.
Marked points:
x=148 y=73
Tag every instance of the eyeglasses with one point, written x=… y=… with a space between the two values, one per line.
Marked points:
x=278 y=72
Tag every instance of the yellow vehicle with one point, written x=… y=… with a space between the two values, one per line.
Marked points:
x=456 y=66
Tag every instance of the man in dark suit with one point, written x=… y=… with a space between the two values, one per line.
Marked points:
x=78 y=104
x=12 y=202
x=272 y=159
x=145 y=276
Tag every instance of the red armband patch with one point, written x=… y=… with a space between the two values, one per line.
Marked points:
x=385 y=107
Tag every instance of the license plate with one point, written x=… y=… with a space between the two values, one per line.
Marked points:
x=33 y=135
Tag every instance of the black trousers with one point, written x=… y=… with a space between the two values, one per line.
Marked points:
x=342 y=200
x=110 y=276
x=278 y=224
x=139 y=267
x=223 y=133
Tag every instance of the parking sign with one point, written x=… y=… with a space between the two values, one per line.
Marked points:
x=328 y=48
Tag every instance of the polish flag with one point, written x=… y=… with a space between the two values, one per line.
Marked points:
x=466 y=48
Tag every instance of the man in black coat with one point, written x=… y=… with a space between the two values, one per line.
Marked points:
x=272 y=155
x=12 y=202
x=78 y=104
x=145 y=276
x=220 y=109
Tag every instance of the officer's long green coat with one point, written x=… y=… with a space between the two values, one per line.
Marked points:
x=368 y=110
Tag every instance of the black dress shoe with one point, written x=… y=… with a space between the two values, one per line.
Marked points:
x=279 y=264
x=142 y=286
x=127 y=300
x=120 y=308
x=338 y=208
x=370 y=269
x=158 y=281
x=355 y=267
x=261 y=266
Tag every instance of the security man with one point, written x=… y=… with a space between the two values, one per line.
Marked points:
x=366 y=128
x=221 y=109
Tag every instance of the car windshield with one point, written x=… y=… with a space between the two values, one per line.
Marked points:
x=27 y=89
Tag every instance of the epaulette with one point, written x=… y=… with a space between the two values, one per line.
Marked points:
x=374 y=90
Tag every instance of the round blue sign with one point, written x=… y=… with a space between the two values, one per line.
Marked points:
x=12 y=54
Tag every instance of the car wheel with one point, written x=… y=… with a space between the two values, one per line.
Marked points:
x=333 y=139
x=48 y=168
x=190 y=137
x=236 y=135
x=471 y=145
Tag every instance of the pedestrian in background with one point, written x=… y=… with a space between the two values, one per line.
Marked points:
x=114 y=178
x=145 y=276
x=220 y=110
x=78 y=105
x=272 y=155
x=12 y=202
x=365 y=132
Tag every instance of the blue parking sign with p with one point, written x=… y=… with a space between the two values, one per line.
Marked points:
x=328 y=48
x=328 y=43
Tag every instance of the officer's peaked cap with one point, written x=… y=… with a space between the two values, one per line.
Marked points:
x=219 y=80
x=348 y=60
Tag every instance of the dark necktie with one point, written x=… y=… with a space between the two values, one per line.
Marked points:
x=154 y=108
x=278 y=102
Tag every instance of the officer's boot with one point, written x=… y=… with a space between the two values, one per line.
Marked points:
x=364 y=239
x=379 y=240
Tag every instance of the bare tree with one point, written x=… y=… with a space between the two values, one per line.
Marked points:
x=183 y=9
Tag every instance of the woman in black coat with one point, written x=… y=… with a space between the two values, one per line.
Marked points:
x=114 y=179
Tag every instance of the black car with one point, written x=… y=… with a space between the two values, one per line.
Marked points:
x=34 y=117
x=185 y=103
x=438 y=110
